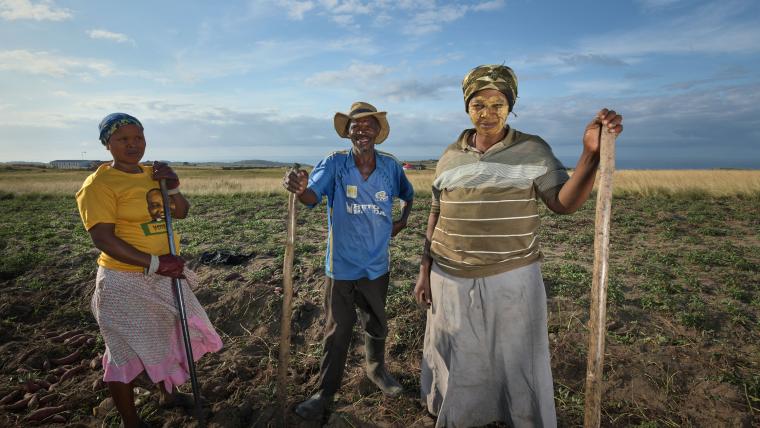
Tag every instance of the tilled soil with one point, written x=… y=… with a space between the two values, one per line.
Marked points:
x=659 y=369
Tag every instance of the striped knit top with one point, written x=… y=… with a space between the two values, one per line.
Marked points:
x=487 y=203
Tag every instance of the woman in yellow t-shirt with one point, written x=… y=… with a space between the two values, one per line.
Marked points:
x=133 y=302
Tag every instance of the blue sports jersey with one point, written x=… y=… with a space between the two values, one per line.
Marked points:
x=359 y=212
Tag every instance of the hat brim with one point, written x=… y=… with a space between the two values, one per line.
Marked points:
x=341 y=121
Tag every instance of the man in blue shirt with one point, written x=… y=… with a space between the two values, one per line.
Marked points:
x=360 y=185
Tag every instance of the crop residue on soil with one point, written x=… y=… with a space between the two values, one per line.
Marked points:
x=682 y=346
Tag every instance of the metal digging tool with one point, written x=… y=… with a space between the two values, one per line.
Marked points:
x=287 y=305
x=181 y=307
x=598 y=312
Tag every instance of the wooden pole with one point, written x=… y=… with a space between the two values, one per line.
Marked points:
x=287 y=306
x=598 y=312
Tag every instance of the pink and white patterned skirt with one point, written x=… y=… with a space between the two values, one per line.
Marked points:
x=139 y=321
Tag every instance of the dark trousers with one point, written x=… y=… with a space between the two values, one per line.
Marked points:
x=341 y=300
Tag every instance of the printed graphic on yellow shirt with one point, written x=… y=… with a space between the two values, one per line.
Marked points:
x=156 y=210
x=351 y=191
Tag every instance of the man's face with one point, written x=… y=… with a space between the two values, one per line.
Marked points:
x=156 y=205
x=363 y=132
x=488 y=111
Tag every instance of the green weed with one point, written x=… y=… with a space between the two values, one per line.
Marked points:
x=675 y=261
x=568 y=279
x=694 y=314
x=16 y=263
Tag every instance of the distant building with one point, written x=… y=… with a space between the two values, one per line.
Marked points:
x=410 y=166
x=75 y=164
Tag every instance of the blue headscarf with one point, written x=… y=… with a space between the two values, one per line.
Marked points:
x=114 y=121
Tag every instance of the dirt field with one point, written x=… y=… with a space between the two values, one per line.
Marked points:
x=683 y=347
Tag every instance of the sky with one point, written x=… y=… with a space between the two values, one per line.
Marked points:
x=262 y=79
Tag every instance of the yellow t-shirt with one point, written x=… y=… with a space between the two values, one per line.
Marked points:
x=133 y=203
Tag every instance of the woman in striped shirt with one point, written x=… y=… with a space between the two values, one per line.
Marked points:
x=486 y=348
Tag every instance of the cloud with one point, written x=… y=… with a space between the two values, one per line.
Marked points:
x=590 y=58
x=416 y=17
x=357 y=71
x=432 y=20
x=407 y=4
x=656 y=4
x=488 y=6
x=709 y=29
x=446 y=58
x=411 y=89
x=722 y=27
x=725 y=119
x=343 y=19
x=599 y=86
x=719 y=128
x=431 y=17
x=725 y=74
x=374 y=79
x=347 y=7
x=43 y=63
x=197 y=64
x=562 y=62
x=12 y=10
x=297 y=9
x=382 y=20
x=107 y=35
x=49 y=64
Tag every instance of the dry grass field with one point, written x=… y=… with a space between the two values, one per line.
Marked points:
x=216 y=181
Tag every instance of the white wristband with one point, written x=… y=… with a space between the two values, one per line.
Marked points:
x=173 y=191
x=150 y=270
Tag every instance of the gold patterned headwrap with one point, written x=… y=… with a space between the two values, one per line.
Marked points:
x=494 y=76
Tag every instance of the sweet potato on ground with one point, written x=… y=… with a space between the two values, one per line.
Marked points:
x=11 y=397
x=65 y=335
x=43 y=413
x=70 y=373
x=74 y=356
x=18 y=405
x=55 y=419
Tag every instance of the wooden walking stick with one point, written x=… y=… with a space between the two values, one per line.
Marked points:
x=287 y=304
x=598 y=312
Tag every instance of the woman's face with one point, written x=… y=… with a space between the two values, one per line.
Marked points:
x=127 y=145
x=488 y=110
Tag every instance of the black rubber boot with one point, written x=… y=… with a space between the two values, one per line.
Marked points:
x=314 y=408
x=374 y=351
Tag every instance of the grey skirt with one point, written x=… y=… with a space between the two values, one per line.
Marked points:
x=486 y=351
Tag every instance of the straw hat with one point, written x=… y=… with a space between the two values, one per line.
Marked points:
x=361 y=109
